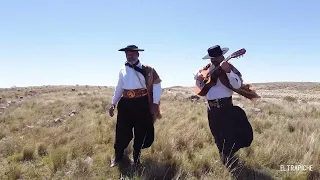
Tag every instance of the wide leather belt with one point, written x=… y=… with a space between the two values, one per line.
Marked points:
x=134 y=93
x=219 y=103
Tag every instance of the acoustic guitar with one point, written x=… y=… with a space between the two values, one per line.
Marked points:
x=202 y=87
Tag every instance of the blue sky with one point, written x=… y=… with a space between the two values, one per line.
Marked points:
x=68 y=42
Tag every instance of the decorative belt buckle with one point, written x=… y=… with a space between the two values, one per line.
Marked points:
x=214 y=103
x=218 y=104
x=131 y=94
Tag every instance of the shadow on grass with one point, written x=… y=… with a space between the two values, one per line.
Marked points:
x=313 y=175
x=148 y=169
x=242 y=171
x=249 y=173
x=152 y=169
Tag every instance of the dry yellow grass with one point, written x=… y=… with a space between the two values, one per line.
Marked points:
x=64 y=133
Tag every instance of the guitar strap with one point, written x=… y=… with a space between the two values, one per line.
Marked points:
x=142 y=71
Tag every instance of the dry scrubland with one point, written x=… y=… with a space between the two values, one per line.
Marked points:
x=64 y=133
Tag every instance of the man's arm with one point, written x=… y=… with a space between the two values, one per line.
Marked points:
x=157 y=91
x=234 y=80
x=118 y=91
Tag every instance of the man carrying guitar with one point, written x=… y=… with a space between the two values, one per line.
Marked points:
x=228 y=123
x=138 y=96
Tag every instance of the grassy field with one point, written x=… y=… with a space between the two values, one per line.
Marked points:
x=64 y=132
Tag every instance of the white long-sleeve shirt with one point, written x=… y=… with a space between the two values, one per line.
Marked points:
x=219 y=90
x=129 y=80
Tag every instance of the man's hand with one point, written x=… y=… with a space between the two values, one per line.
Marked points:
x=200 y=77
x=111 y=110
x=155 y=109
x=225 y=67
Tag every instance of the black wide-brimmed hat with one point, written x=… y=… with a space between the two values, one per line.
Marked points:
x=131 y=48
x=215 y=51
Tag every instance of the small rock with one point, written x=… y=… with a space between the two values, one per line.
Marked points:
x=73 y=112
x=58 y=120
x=21 y=97
x=257 y=110
x=89 y=160
x=73 y=89
x=2 y=109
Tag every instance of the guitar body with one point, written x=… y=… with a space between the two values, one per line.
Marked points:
x=202 y=87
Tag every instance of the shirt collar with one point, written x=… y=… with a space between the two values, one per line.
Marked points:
x=138 y=65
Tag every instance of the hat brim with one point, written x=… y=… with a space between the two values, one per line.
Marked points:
x=128 y=49
x=224 y=51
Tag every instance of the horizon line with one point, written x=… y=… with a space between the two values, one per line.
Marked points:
x=83 y=85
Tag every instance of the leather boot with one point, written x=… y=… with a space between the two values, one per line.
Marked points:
x=116 y=160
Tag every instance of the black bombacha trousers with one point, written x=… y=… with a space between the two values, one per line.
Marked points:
x=134 y=120
x=231 y=130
